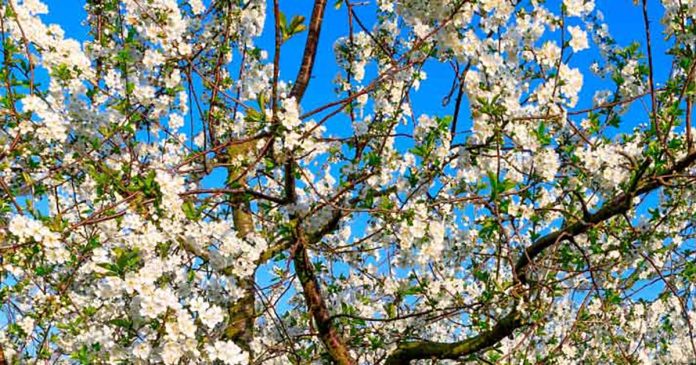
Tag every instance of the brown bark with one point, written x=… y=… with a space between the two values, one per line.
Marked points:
x=2 y=357
x=310 y=51
x=452 y=351
x=304 y=268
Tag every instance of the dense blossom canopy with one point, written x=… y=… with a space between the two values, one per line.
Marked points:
x=167 y=195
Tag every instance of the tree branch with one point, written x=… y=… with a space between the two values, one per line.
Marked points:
x=408 y=351
x=452 y=351
x=240 y=326
x=618 y=205
x=3 y=361
x=310 y=51
x=317 y=306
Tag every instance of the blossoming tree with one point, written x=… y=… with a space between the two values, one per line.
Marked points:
x=166 y=198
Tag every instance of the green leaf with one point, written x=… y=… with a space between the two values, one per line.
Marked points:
x=190 y=210
x=295 y=26
x=412 y=290
x=282 y=21
x=43 y=270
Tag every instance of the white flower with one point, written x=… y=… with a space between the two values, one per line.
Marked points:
x=110 y=287
x=290 y=116
x=421 y=30
x=437 y=232
x=142 y=350
x=385 y=5
x=150 y=308
x=227 y=352
x=360 y=127
x=171 y=353
x=152 y=59
x=170 y=187
x=145 y=93
x=186 y=325
x=199 y=140
x=212 y=316
x=578 y=40
x=176 y=121
x=197 y=6
x=549 y=54
x=489 y=5
x=572 y=83
x=198 y=305
x=173 y=79
x=27 y=325
x=578 y=7
x=547 y=164
x=33 y=103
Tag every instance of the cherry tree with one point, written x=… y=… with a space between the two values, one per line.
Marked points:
x=170 y=194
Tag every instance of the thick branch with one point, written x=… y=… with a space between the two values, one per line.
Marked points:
x=439 y=350
x=317 y=306
x=240 y=327
x=310 y=51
